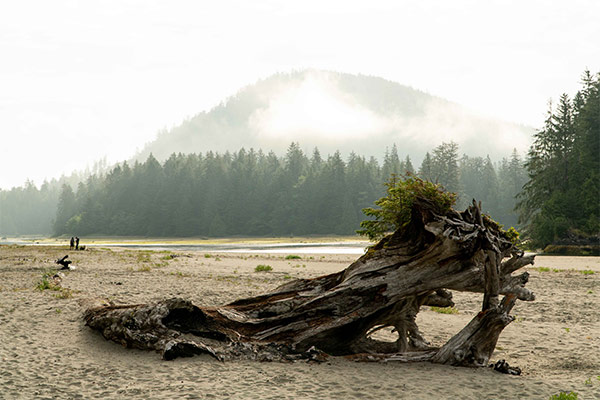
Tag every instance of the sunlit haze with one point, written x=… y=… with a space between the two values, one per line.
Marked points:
x=315 y=105
x=80 y=81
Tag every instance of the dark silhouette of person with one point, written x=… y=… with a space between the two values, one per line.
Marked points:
x=72 y=242
x=76 y=243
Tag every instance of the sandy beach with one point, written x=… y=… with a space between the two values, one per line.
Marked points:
x=48 y=353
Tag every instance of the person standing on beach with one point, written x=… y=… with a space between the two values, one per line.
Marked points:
x=72 y=242
x=76 y=243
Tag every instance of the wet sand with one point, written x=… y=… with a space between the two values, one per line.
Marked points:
x=47 y=352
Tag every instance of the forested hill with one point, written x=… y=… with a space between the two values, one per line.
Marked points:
x=251 y=193
x=336 y=111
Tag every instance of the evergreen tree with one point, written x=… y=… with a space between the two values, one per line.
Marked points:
x=471 y=180
x=408 y=167
x=511 y=177
x=444 y=166
x=66 y=209
x=426 y=170
x=489 y=199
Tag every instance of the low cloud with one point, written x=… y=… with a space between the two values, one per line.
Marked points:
x=315 y=109
x=316 y=112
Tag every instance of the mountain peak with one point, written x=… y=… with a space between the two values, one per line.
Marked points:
x=338 y=111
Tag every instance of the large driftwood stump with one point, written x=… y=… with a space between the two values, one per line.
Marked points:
x=336 y=314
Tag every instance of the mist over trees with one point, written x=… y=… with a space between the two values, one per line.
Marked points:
x=336 y=111
x=251 y=193
x=29 y=210
x=562 y=196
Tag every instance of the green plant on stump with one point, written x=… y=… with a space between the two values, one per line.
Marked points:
x=513 y=235
x=396 y=207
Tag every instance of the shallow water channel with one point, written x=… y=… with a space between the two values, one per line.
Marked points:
x=299 y=248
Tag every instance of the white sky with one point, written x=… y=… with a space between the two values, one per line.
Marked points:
x=80 y=80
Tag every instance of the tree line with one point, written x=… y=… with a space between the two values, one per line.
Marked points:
x=29 y=210
x=252 y=193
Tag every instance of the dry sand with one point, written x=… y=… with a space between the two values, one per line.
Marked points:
x=48 y=353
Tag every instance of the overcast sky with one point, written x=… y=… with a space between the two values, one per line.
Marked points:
x=80 y=80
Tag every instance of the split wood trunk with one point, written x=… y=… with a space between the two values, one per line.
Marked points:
x=336 y=314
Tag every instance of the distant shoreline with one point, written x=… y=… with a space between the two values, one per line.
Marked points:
x=41 y=239
x=304 y=245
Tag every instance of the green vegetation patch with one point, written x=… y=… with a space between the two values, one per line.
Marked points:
x=160 y=264
x=564 y=396
x=263 y=268
x=63 y=293
x=547 y=269
x=180 y=274
x=143 y=257
x=588 y=272
x=444 y=310
x=293 y=257
x=46 y=282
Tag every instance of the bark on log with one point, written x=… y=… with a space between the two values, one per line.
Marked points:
x=336 y=314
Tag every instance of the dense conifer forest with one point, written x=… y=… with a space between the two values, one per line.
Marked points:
x=252 y=193
x=248 y=193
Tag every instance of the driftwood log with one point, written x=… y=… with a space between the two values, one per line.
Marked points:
x=64 y=262
x=336 y=314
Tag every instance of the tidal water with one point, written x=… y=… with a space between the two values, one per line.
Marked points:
x=279 y=248
x=299 y=248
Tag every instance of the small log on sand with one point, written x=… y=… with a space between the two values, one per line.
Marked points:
x=64 y=262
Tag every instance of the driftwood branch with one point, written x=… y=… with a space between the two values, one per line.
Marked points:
x=64 y=262
x=336 y=314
